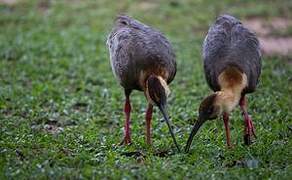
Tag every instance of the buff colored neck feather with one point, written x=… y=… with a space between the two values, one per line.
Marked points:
x=165 y=87
x=232 y=82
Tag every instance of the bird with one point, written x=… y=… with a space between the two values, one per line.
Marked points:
x=232 y=66
x=142 y=59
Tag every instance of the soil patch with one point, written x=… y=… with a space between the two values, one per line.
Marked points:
x=274 y=35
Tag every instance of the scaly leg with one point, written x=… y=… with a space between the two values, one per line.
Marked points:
x=249 y=128
x=127 y=111
x=148 y=123
x=227 y=130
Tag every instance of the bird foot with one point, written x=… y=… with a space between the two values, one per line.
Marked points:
x=249 y=132
x=126 y=141
x=148 y=142
x=230 y=146
x=247 y=139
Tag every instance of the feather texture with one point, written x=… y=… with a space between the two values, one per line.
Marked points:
x=137 y=51
x=229 y=44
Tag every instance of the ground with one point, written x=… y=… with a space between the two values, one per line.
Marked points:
x=61 y=107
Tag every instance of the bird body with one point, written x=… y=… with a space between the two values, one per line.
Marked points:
x=137 y=51
x=232 y=66
x=142 y=59
x=229 y=44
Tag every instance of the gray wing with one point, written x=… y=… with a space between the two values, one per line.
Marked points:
x=120 y=55
x=155 y=52
x=228 y=43
x=215 y=47
x=246 y=49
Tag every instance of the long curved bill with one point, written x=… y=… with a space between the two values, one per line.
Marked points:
x=195 y=129
x=166 y=118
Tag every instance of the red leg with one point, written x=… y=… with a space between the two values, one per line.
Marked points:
x=249 y=128
x=127 y=111
x=227 y=130
x=148 y=123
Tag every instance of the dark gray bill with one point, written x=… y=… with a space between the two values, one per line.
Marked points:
x=195 y=129
x=166 y=118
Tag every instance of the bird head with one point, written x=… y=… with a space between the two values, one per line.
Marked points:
x=210 y=109
x=156 y=92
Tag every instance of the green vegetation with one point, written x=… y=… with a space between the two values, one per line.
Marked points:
x=61 y=108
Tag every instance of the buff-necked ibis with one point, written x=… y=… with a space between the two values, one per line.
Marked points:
x=232 y=65
x=142 y=59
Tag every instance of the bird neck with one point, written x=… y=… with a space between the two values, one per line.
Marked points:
x=164 y=85
x=156 y=89
x=227 y=99
x=232 y=82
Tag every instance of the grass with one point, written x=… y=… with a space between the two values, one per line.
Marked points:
x=61 y=108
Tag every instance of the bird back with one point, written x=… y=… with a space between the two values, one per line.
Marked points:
x=136 y=48
x=228 y=43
